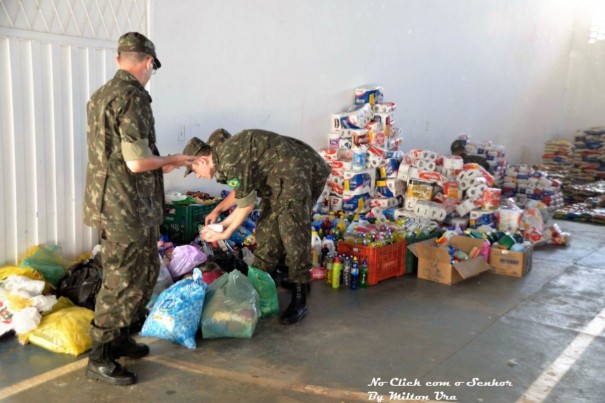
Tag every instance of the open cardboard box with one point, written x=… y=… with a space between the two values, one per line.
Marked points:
x=509 y=263
x=434 y=263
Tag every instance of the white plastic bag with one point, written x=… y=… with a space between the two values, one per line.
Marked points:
x=23 y=286
x=26 y=320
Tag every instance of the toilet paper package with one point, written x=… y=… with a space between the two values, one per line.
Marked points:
x=420 y=190
x=368 y=94
x=384 y=202
x=430 y=210
x=476 y=192
x=384 y=107
x=389 y=169
x=453 y=162
x=478 y=218
x=359 y=203
x=410 y=203
x=361 y=181
x=466 y=207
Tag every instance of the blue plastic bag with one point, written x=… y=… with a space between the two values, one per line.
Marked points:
x=177 y=312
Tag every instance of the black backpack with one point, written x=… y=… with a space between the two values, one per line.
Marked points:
x=82 y=283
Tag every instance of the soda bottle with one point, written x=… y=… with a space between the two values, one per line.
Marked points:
x=346 y=272
x=363 y=274
x=336 y=268
x=355 y=274
x=329 y=268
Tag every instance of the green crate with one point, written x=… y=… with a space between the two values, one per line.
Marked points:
x=411 y=261
x=181 y=222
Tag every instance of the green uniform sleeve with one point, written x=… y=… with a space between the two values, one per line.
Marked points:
x=136 y=150
x=246 y=201
x=135 y=126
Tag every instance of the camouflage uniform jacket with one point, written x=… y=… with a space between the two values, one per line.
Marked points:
x=120 y=124
x=265 y=164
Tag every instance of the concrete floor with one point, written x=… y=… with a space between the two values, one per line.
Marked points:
x=395 y=337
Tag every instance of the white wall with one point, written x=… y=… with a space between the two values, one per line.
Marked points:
x=586 y=83
x=497 y=70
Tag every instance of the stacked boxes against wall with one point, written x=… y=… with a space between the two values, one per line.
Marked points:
x=525 y=183
x=589 y=155
x=557 y=159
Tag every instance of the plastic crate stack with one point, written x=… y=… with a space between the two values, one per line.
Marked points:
x=589 y=155
x=362 y=150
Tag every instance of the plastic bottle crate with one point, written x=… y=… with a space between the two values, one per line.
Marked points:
x=180 y=222
x=383 y=261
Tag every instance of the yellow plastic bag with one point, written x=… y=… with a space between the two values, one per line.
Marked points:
x=28 y=272
x=62 y=303
x=64 y=331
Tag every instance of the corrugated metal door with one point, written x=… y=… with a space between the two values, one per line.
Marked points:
x=53 y=55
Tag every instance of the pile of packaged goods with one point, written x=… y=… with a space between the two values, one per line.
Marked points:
x=371 y=247
x=589 y=155
x=371 y=176
x=494 y=154
x=525 y=183
x=588 y=203
x=558 y=159
x=363 y=152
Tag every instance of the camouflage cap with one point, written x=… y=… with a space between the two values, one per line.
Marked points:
x=136 y=42
x=217 y=137
x=193 y=147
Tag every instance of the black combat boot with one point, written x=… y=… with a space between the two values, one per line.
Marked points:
x=103 y=367
x=285 y=282
x=298 y=306
x=289 y=285
x=126 y=346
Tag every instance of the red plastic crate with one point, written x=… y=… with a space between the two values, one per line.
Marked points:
x=383 y=261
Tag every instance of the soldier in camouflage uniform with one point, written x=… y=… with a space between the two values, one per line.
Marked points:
x=288 y=176
x=124 y=199
x=458 y=147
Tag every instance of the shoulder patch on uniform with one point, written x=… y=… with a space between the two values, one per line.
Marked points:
x=233 y=183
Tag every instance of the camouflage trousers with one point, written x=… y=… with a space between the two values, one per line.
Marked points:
x=130 y=270
x=283 y=229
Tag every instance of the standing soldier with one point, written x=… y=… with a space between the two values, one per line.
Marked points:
x=124 y=199
x=288 y=176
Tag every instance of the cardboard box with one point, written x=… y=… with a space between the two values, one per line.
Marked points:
x=509 y=263
x=434 y=263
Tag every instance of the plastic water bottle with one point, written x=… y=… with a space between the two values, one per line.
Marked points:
x=315 y=249
x=346 y=272
x=336 y=269
x=355 y=274
x=363 y=274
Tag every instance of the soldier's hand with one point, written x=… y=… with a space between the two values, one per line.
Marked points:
x=181 y=160
x=209 y=235
x=211 y=217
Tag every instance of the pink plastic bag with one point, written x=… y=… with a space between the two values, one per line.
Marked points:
x=184 y=259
